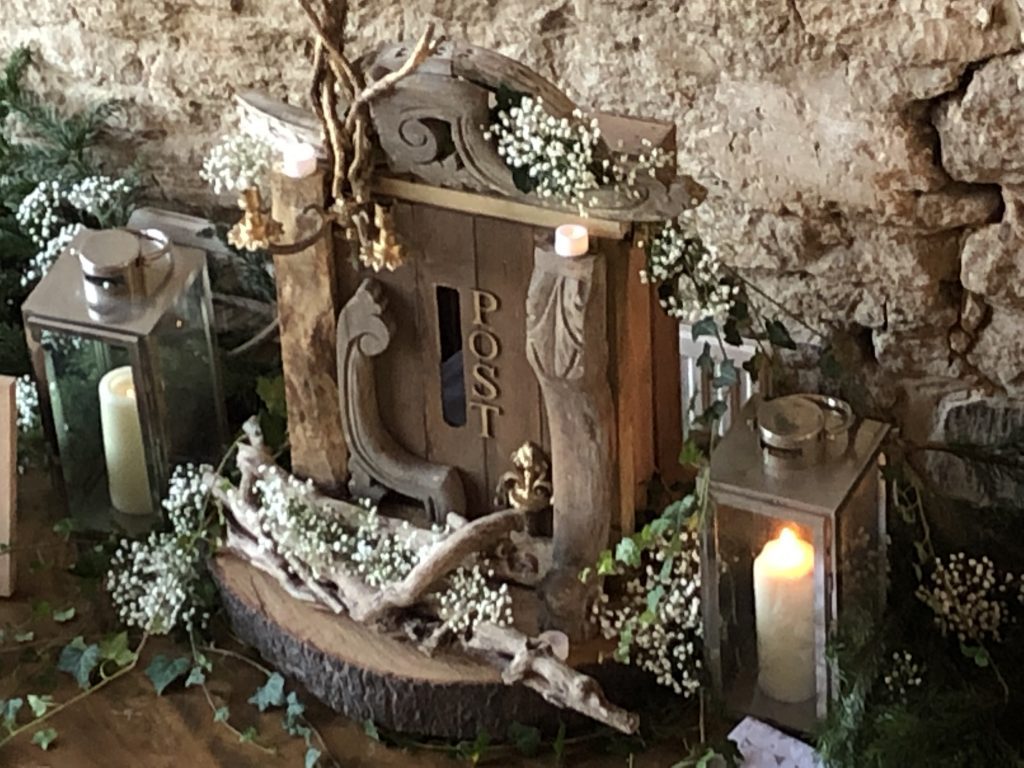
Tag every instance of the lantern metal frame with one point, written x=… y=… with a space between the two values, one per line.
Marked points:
x=747 y=480
x=59 y=304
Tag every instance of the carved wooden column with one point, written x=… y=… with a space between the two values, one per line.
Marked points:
x=567 y=343
x=307 y=307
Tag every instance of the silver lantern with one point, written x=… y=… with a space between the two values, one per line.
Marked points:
x=120 y=333
x=796 y=542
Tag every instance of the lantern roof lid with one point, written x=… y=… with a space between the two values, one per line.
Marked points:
x=60 y=297
x=740 y=474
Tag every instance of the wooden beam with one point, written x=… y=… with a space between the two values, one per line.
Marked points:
x=8 y=481
x=308 y=308
x=496 y=207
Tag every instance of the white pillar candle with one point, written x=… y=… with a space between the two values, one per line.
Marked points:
x=127 y=475
x=784 y=611
x=571 y=240
x=298 y=160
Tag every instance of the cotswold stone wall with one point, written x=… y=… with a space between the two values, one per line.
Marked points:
x=865 y=157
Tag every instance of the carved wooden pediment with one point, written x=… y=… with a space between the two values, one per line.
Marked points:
x=432 y=125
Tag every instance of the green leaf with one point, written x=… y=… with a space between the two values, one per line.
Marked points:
x=79 y=660
x=627 y=552
x=25 y=637
x=41 y=608
x=39 y=704
x=44 y=738
x=115 y=648
x=163 y=671
x=62 y=617
x=271 y=694
x=727 y=375
x=195 y=677
x=525 y=738
x=248 y=735
x=690 y=455
x=654 y=598
x=606 y=563
x=370 y=729
x=977 y=653
x=221 y=715
x=705 y=327
x=64 y=528
x=312 y=757
x=9 y=709
x=705 y=362
x=778 y=335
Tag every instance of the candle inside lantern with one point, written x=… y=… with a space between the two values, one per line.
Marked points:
x=784 y=612
x=571 y=240
x=298 y=160
x=127 y=476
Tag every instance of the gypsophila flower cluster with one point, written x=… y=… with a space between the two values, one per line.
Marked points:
x=969 y=597
x=668 y=643
x=40 y=214
x=554 y=157
x=904 y=673
x=26 y=397
x=560 y=158
x=155 y=583
x=239 y=162
x=103 y=198
x=469 y=599
x=697 y=283
x=40 y=263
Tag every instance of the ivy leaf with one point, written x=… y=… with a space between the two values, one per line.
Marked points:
x=312 y=757
x=61 y=617
x=705 y=327
x=9 y=710
x=627 y=551
x=293 y=714
x=115 y=648
x=41 y=608
x=25 y=637
x=163 y=671
x=525 y=738
x=248 y=735
x=271 y=694
x=690 y=455
x=64 y=527
x=79 y=660
x=370 y=729
x=705 y=362
x=221 y=715
x=977 y=653
x=522 y=179
x=654 y=597
x=195 y=677
x=39 y=704
x=44 y=738
x=732 y=333
x=778 y=335
x=727 y=375
x=606 y=563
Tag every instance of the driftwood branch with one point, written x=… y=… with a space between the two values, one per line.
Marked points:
x=533 y=662
x=537 y=663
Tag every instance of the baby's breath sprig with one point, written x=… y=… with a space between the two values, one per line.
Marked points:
x=238 y=162
x=969 y=597
x=695 y=283
x=665 y=640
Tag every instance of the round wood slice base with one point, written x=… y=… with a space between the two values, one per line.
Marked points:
x=368 y=676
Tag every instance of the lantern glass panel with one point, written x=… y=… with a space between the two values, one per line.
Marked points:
x=791 y=551
x=129 y=387
x=77 y=369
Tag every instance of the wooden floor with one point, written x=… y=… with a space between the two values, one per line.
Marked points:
x=127 y=725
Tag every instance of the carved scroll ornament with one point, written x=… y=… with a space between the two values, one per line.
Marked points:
x=364 y=331
x=431 y=126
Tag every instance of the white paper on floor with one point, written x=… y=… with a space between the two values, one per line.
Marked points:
x=765 y=747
